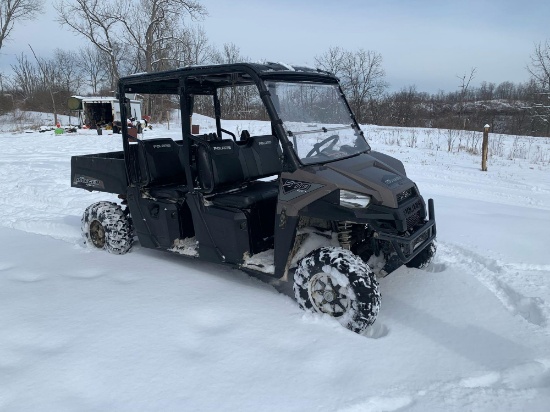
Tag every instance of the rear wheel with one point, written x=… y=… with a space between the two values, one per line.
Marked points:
x=337 y=282
x=106 y=226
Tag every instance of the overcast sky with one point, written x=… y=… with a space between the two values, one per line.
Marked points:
x=427 y=43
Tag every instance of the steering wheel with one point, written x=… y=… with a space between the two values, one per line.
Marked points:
x=317 y=146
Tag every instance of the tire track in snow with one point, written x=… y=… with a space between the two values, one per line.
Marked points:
x=505 y=387
x=489 y=272
x=527 y=267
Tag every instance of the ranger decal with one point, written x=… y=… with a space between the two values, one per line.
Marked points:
x=291 y=189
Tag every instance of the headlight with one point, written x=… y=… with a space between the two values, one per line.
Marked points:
x=352 y=199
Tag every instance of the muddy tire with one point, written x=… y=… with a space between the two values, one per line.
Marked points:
x=424 y=258
x=105 y=226
x=337 y=282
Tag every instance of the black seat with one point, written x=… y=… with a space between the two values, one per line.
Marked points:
x=219 y=165
x=225 y=166
x=161 y=168
x=262 y=156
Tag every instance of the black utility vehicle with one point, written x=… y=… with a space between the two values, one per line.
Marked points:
x=306 y=199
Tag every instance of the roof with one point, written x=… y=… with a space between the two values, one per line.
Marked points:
x=204 y=79
x=96 y=99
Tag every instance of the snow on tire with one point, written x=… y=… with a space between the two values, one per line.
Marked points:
x=105 y=226
x=424 y=258
x=337 y=282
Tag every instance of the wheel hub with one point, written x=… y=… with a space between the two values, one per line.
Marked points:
x=97 y=234
x=328 y=296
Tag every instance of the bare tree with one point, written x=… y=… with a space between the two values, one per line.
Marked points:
x=404 y=106
x=49 y=74
x=95 y=20
x=192 y=47
x=539 y=69
x=152 y=28
x=12 y=11
x=540 y=74
x=25 y=77
x=486 y=91
x=463 y=87
x=68 y=70
x=332 y=60
x=505 y=90
x=91 y=64
x=236 y=102
x=361 y=75
x=465 y=81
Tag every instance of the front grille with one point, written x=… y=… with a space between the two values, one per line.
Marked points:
x=413 y=219
x=406 y=194
x=413 y=213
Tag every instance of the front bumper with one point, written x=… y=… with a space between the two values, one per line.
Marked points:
x=407 y=247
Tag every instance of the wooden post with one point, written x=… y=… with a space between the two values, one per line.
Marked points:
x=485 y=148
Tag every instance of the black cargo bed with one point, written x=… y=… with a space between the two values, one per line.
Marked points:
x=104 y=172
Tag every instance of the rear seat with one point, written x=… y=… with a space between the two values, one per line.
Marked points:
x=161 y=168
x=223 y=165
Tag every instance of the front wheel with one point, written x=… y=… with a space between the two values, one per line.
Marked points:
x=424 y=258
x=106 y=226
x=337 y=282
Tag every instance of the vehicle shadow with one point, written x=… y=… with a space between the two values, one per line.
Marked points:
x=471 y=342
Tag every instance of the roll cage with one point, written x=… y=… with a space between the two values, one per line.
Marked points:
x=206 y=80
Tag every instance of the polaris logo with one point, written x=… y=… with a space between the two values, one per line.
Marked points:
x=88 y=181
x=264 y=143
x=221 y=147
x=160 y=146
x=392 y=180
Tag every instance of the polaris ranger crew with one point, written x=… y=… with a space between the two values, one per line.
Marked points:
x=308 y=201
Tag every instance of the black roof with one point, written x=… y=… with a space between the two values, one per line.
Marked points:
x=204 y=79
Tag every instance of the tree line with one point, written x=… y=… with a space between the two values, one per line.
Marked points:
x=130 y=36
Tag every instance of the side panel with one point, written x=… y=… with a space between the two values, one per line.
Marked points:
x=104 y=172
x=229 y=232
x=157 y=223
x=222 y=234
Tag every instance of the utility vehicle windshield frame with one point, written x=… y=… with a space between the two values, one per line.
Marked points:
x=317 y=121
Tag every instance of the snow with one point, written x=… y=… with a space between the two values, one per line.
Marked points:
x=150 y=330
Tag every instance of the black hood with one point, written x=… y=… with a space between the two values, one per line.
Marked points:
x=366 y=173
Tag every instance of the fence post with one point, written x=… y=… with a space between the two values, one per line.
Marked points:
x=485 y=148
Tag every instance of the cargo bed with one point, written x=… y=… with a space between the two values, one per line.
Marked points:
x=104 y=172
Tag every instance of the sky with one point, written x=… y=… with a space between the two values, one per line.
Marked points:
x=425 y=43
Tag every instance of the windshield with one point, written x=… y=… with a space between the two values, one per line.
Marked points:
x=317 y=121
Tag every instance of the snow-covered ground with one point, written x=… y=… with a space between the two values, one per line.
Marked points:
x=82 y=330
